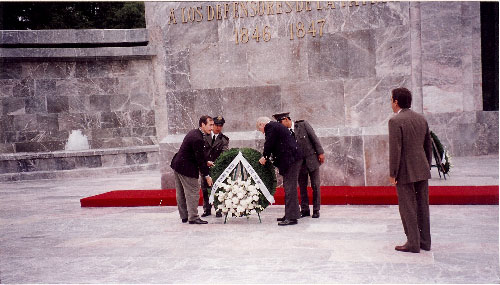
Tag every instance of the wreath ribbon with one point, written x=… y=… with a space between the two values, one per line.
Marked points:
x=240 y=158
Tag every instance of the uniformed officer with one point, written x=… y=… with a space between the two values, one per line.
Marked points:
x=314 y=156
x=215 y=144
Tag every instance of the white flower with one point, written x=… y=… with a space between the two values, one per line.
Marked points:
x=243 y=202
x=220 y=207
x=235 y=200
x=228 y=203
x=240 y=195
x=255 y=198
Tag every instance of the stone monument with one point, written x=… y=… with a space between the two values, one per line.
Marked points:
x=330 y=63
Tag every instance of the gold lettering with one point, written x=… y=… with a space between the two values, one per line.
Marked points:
x=226 y=10
x=355 y=3
x=235 y=9
x=364 y=2
x=191 y=14
x=244 y=10
x=278 y=8
x=330 y=3
x=318 y=5
x=210 y=13
x=299 y=6
x=183 y=18
x=289 y=6
x=343 y=4
x=270 y=10
x=172 y=17
x=308 y=5
x=218 y=13
x=253 y=6
x=198 y=12
x=262 y=8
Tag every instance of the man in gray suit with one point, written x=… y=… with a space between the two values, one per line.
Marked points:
x=410 y=157
x=314 y=156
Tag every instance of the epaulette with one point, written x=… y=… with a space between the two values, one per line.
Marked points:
x=224 y=136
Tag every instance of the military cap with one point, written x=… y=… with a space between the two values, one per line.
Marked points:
x=281 y=116
x=219 y=120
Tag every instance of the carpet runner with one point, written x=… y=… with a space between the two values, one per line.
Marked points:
x=330 y=195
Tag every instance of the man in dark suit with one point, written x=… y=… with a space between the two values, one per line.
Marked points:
x=410 y=157
x=314 y=156
x=187 y=164
x=215 y=144
x=287 y=157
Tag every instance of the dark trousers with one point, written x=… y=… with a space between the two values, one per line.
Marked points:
x=315 y=182
x=204 y=190
x=413 y=200
x=290 y=178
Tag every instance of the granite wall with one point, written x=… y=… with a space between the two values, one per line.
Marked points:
x=330 y=63
x=48 y=89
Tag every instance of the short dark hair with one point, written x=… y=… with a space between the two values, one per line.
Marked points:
x=403 y=96
x=204 y=119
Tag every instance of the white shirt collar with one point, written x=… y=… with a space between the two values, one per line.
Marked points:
x=293 y=126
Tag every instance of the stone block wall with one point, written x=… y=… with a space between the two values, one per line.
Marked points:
x=45 y=93
x=339 y=80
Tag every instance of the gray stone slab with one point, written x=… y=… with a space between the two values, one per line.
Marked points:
x=57 y=241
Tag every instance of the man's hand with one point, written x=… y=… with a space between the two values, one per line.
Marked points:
x=321 y=158
x=262 y=160
x=210 y=163
x=209 y=181
x=393 y=181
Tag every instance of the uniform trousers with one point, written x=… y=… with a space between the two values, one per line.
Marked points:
x=315 y=185
x=187 y=192
x=204 y=189
x=413 y=200
x=290 y=177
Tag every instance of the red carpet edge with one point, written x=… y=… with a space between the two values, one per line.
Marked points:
x=330 y=195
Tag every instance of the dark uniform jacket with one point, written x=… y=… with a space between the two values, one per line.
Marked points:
x=281 y=145
x=308 y=143
x=213 y=151
x=190 y=159
x=410 y=152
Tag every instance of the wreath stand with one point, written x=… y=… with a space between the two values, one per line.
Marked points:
x=437 y=159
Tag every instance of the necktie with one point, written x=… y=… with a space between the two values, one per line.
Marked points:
x=293 y=133
x=213 y=139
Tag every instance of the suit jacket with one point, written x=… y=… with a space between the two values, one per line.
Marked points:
x=308 y=143
x=281 y=145
x=213 y=151
x=190 y=159
x=410 y=151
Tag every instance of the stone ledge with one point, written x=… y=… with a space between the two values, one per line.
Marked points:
x=71 y=36
x=76 y=173
x=76 y=53
x=91 y=152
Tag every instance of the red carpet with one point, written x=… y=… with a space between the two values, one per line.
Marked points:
x=330 y=195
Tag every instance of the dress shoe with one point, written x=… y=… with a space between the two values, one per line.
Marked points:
x=206 y=213
x=287 y=222
x=198 y=222
x=218 y=215
x=281 y=219
x=184 y=221
x=406 y=248
x=305 y=214
x=315 y=214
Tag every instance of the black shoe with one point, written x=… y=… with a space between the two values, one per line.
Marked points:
x=287 y=222
x=184 y=221
x=315 y=214
x=218 y=215
x=281 y=219
x=305 y=214
x=198 y=222
x=206 y=213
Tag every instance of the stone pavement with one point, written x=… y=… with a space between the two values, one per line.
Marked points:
x=46 y=237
